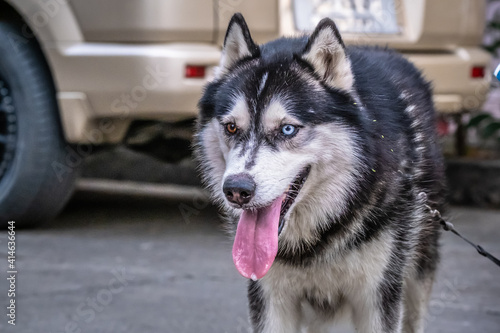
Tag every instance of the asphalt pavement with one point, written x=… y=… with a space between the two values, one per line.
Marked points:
x=120 y=263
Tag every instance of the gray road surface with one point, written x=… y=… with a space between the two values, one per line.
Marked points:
x=120 y=264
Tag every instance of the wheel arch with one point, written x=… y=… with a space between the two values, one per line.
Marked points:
x=52 y=25
x=52 y=21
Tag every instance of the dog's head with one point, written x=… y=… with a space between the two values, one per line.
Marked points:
x=276 y=139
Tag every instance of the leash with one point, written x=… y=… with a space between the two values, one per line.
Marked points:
x=450 y=227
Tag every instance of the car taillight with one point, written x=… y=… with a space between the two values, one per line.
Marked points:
x=477 y=72
x=195 y=72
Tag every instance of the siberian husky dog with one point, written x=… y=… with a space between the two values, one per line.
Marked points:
x=323 y=158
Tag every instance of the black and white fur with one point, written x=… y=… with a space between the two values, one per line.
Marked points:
x=357 y=240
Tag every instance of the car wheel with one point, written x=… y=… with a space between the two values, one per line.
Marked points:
x=33 y=189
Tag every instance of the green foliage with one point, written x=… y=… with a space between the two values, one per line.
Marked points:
x=491 y=130
x=487 y=127
x=492 y=28
x=475 y=121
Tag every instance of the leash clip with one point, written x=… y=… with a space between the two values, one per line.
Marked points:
x=447 y=226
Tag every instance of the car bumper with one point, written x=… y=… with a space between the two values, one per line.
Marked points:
x=455 y=90
x=103 y=87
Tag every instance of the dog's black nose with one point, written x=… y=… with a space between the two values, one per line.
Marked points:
x=239 y=189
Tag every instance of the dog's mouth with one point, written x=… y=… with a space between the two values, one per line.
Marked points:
x=256 y=242
x=291 y=194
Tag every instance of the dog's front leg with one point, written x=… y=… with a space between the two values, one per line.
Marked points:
x=379 y=310
x=272 y=312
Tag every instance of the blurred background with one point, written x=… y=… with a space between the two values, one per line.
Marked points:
x=97 y=109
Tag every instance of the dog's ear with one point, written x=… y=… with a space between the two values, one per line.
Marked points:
x=325 y=51
x=238 y=44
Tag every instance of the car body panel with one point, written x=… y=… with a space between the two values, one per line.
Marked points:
x=145 y=21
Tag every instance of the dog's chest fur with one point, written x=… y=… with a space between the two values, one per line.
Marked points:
x=329 y=283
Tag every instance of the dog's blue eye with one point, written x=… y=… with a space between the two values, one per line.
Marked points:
x=288 y=130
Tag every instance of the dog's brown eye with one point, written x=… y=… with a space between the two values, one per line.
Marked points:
x=231 y=128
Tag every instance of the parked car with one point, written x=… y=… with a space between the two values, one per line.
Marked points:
x=82 y=73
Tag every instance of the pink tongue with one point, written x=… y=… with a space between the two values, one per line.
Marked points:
x=256 y=242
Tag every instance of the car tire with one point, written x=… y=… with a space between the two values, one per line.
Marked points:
x=35 y=178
